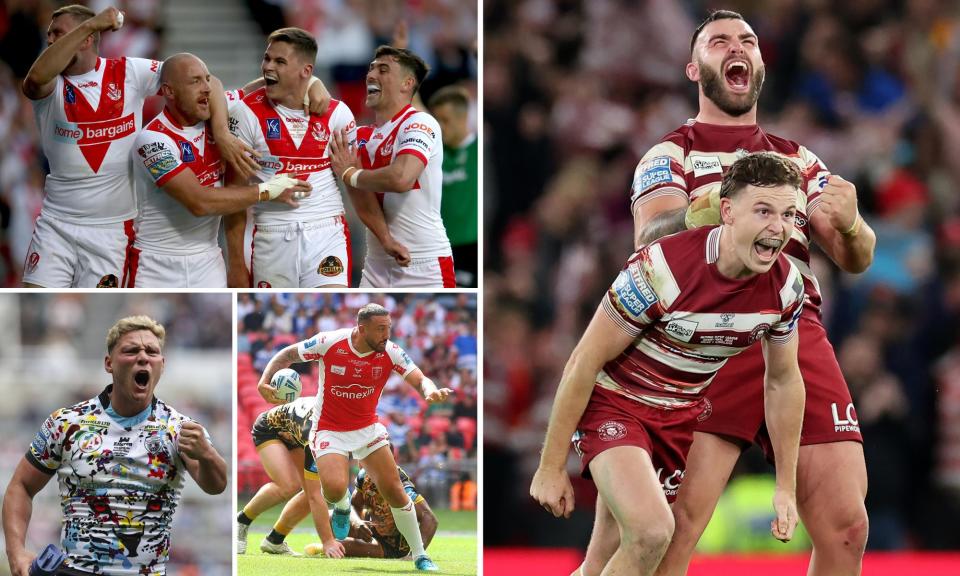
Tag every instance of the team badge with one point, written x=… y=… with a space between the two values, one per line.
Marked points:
x=386 y=148
x=71 y=96
x=330 y=266
x=707 y=411
x=273 y=128
x=113 y=92
x=319 y=133
x=154 y=445
x=88 y=441
x=32 y=261
x=108 y=281
x=610 y=431
x=377 y=372
x=186 y=152
x=263 y=284
x=758 y=332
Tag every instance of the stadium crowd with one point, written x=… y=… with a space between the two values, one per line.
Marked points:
x=574 y=96
x=435 y=445
x=443 y=32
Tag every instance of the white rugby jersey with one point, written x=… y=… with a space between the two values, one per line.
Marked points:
x=87 y=128
x=119 y=487
x=163 y=149
x=413 y=216
x=687 y=318
x=292 y=143
x=350 y=383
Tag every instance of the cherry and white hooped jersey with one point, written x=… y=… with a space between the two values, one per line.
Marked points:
x=292 y=143
x=413 y=216
x=350 y=383
x=687 y=318
x=163 y=149
x=87 y=127
x=690 y=162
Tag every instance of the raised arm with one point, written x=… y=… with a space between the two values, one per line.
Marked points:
x=426 y=387
x=783 y=397
x=839 y=228
x=205 y=465
x=204 y=201
x=27 y=481
x=282 y=359
x=41 y=79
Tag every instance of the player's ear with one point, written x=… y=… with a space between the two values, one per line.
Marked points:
x=726 y=210
x=692 y=71
x=108 y=364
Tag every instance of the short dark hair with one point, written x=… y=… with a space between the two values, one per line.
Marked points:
x=764 y=169
x=713 y=17
x=413 y=63
x=369 y=311
x=80 y=13
x=302 y=41
x=454 y=95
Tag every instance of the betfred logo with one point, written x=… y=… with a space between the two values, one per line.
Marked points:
x=352 y=391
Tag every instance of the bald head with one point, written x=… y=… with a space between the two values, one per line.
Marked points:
x=185 y=83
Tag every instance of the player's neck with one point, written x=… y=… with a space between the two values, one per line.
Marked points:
x=710 y=113
x=84 y=63
x=386 y=113
x=728 y=263
x=359 y=344
x=178 y=117
x=293 y=99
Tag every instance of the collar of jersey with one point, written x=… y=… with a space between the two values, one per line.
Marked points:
x=124 y=421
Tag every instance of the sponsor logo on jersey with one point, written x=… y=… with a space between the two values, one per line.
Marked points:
x=158 y=160
x=90 y=84
x=94 y=132
x=352 y=391
x=186 y=152
x=88 y=441
x=108 y=281
x=330 y=266
x=310 y=343
x=122 y=446
x=420 y=127
x=671 y=483
x=113 y=92
x=703 y=165
x=652 y=173
x=848 y=424
x=341 y=370
x=39 y=444
x=273 y=128
x=414 y=142
x=681 y=329
x=726 y=320
x=32 y=261
x=611 y=430
x=632 y=293
x=358 y=371
x=758 y=332
x=154 y=66
x=71 y=96
x=377 y=440
x=263 y=284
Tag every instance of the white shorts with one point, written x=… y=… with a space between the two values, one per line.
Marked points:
x=301 y=255
x=154 y=270
x=360 y=443
x=67 y=255
x=436 y=272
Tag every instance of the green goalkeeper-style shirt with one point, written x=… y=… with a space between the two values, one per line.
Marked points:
x=458 y=206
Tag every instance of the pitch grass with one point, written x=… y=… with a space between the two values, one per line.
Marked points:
x=454 y=549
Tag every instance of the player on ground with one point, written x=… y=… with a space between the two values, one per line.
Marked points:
x=120 y=459
x=396 y=188
x=355 y=364
x=88 y=110
x=308 y=246
x=281 y=435
x=686 y=168
x=633 y=387
x=181 y=198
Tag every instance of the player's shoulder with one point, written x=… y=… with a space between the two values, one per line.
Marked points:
x=783 y=145
x=165 y=413
x=677 y=247
x=421 y=121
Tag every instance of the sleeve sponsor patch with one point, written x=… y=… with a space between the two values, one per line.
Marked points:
x=408 y=141
x=632 y=294
x=651 y=173
x=158 y=159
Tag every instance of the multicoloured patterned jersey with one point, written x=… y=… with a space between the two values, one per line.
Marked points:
x=289 y=423
x=376 y=511
x=690 y=162
x=688 y=319
x=119 y=487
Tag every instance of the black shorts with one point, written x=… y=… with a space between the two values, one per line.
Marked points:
x=263 y=433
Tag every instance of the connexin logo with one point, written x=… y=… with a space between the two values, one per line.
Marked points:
x=352 y=391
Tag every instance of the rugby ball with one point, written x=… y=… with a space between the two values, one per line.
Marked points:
x=286 y=385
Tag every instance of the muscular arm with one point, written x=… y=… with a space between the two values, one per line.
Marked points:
x=203 y=201
x=370 y=213
x=852 y=254
x=17 y=510
x=282 y=359
x=428 y=522
x=318 y=509
x=399 y=176
x=208 y=470
x=783 y=398
x=657 y=218
x=234 y=227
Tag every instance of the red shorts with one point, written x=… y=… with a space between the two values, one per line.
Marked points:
x=612 y=420
x=735 y=397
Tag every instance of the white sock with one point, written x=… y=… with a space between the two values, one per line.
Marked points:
x=341 y=504
x=406 y=520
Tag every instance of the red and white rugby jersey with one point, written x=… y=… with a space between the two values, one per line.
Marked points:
x=413 y=216
x=690 y=162
x=350 y=383
x=163 y=149
x=688 y=318
x=87 y=127
x=292 y=143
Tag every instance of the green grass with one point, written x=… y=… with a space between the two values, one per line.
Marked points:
x=454 y=549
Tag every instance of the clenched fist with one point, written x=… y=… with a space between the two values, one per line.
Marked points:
x=838 y=201
x=192 y=440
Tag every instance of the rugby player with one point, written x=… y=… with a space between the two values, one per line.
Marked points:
x=676 y=185
x=396 y=188
x=181 y=198
x=355 y=364
x=307 y=246
x=634 y=385
x=120 y=460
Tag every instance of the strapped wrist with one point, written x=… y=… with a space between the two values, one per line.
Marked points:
x=855 y=228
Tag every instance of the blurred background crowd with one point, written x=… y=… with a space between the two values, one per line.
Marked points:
x=575 y=92
x=52 y=357
x=229 y=35
x=435 y=444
